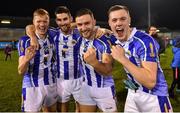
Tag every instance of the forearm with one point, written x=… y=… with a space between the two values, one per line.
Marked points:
x=142 y=75
x=102 y=68
x=23 y=65
x=30 y=31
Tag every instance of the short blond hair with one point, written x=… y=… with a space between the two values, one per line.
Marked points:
x=40 y=12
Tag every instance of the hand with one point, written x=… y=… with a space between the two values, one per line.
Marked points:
x=118 y=53
x=102 y=31
x=90 y=57
x=30 y=53
x=73 y=25
x=34 y=42
x=30 y=31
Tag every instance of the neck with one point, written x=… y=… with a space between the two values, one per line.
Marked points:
x=67 y=33
x=93 y=34
x=41 y=36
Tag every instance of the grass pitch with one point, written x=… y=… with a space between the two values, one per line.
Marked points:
x=10 y=83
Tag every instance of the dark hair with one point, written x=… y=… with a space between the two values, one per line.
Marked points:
x=151 y=26
x=84 y=11
x=62 y=9
x=118 y=7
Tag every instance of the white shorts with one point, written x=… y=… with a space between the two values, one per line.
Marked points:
x=66 y=88
x=140 y=101
x=33 y=98
x=104 y=98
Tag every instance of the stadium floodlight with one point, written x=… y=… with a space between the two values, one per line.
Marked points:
x=5 y=21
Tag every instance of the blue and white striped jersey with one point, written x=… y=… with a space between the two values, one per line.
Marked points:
x=67 y=51
x=41 y=67
x=93 y=78
x=141 y=47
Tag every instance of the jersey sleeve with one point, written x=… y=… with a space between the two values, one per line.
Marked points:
x=23 y=43
x=105 y=45
x=53 y=32
x=148 y=50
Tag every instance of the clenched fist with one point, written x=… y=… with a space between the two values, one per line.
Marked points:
x=90 y=56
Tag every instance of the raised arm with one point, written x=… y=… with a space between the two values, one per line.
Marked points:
x=102 y=31
x=146 y=74
x=24 y=60
x=30 y=31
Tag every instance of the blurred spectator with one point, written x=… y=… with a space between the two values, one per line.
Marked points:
x=175 y=66
x=8 y=51
x=166 y=41
x=154 y=33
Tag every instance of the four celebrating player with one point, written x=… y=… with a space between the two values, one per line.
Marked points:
x=83 y=64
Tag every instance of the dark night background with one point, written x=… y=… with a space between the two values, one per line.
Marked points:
x=164 y=13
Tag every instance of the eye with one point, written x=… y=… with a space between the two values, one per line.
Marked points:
x=114 y=20
x=123 y=19
x=65 y=19
x=86 y=23
x=79 y=24
x=58 y=19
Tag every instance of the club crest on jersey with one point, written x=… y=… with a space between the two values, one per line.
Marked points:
x=152 y=54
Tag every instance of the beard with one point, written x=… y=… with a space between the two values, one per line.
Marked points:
x=65 y=28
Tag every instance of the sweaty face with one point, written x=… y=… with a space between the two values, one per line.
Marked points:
x=63 y=21
x=119 y=22
x=85 y=25
x=41 y=24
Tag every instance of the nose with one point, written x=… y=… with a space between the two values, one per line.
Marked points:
x=83 y=27
x=119 y=22
x=42 y=24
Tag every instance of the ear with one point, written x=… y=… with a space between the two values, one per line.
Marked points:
x=33 y=21
x=71 y=19
x=94 y=22
x=129 y=20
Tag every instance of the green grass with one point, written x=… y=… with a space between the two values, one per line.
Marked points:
x=10 y=83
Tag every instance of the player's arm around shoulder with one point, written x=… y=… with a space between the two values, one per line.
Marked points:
x=26 y=54
x=30 y=31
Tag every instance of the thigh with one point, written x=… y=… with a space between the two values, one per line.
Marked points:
x=152 y=103
x=63 y=90
x=130 y=104
x=50 y=95
x=87 y=108
x=51 y=108
x=32 y=99
x=76 y=88
x=105 y=99
x=85 y=97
